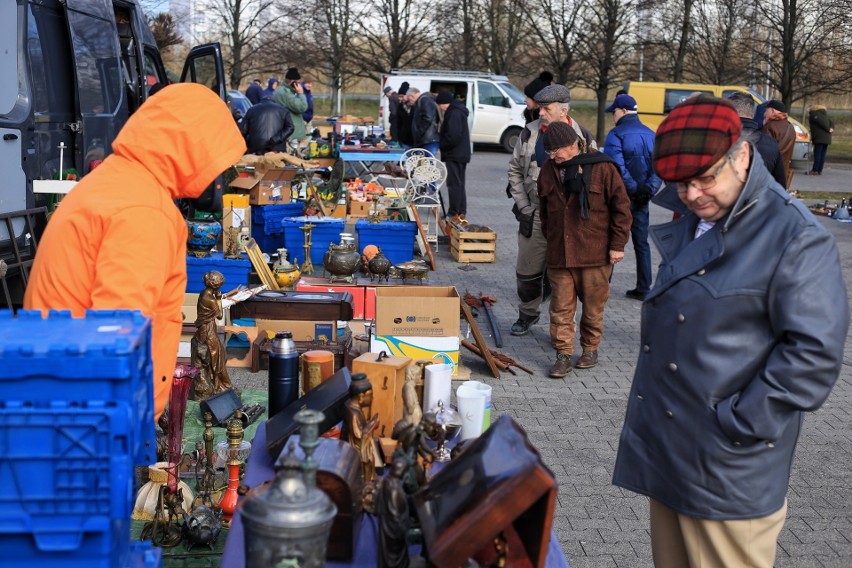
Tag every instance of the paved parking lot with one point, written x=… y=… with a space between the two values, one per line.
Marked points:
x=575 y=422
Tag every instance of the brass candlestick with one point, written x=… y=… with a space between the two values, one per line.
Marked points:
x=307 y=268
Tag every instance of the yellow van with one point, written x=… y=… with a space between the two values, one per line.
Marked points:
x=656 y=100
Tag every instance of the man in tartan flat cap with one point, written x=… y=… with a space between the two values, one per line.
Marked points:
x=742 y=333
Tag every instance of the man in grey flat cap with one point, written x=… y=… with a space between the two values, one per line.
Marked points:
x=524 y=167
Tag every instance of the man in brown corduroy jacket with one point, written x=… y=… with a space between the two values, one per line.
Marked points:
x=585 y=217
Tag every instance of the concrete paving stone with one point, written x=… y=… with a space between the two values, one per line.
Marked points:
x=610 y=548
x=592 y=562
x=815 y=562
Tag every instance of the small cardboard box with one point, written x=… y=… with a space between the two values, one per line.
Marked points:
x=427 y=311
x=270 y=193
x=435 y=349
x=359 y=208
x=334 y=209
x=301 y=330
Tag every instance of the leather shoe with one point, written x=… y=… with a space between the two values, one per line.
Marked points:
x=636 y=295
x=561 y=367
x=587 y=360
x=522 y=326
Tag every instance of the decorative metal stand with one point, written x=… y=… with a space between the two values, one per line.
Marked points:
x=307 y=268
x=233 y=452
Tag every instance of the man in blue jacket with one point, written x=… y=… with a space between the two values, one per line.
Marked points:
x=742 y=333
x=455 y=152
x=631 y=145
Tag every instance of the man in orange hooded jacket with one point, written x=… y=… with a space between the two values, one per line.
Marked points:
x=118 y=240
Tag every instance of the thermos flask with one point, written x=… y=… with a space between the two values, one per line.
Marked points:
x=283 y=372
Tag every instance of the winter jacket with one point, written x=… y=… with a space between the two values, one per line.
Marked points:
x=631 y=145
x=266 y=127
x=741 y=334
x=118 y=240
x=296 y=104
x=403 y=124
x=524 y=170
x=573 y=242
x=269 y=92
x=455 y=134
x=783 y=133
x=254 y=92
x=308 y=115
x=820 y=125
x=768 y=148
x=424 y=121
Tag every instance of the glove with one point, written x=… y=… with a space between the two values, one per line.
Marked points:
x=525 y=223
x=642 y=196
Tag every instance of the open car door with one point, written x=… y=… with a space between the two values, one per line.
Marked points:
x=204 y=66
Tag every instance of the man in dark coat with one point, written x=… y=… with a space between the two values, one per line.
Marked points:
x=455 y=152
x=424 y=120
x=630 y=144
x=254 y=91
x=767 y=146
x=742 y=333
x=266 y=127
x=403 y=117
x=585 y=218
x=822 y=128
x=393 y=111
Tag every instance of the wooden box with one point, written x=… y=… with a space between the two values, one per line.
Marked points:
x=261 y=346
x=473 y=246
x=507 y=489
x=339 y=477
x=387 y=375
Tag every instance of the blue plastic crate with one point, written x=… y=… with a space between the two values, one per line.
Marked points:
x=267 y=218
x=236 y=271
x=267 y=243
x=68 y=484
x=395 y=238
x=103 y=357
x=145 y=555
x=326 y=230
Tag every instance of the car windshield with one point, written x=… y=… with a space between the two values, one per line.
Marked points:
x=240 y=102
x=514 y=93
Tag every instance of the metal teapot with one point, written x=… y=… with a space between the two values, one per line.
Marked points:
x=379 y=266
x=341 y=261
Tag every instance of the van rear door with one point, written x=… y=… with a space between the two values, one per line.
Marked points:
x=204 y=66
x=492 y=113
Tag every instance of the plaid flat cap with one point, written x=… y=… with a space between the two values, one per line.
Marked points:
x=553 y=94
x=694 y=136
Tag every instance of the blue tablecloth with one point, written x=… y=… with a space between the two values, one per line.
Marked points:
x=260 y=469
x=392 y=156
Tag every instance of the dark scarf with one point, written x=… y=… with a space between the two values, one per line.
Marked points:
x=578 y=179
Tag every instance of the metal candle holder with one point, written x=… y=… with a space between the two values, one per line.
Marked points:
x=307 y=268
x=309 y=421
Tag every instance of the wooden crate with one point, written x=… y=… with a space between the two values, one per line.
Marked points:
x=470 y=246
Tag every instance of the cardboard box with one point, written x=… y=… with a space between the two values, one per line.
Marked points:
x=360 y=208
x=334 y=209
x=427 y=311
x=302 y=330
x=436 y=349
x=234 y=216
x=270 y=193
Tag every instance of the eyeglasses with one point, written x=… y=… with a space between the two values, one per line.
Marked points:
x=552 y=153
x=703 y=182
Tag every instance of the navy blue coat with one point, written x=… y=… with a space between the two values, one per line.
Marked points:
x=254 y=92
x=455 y=134
x=741 y=334
x=631 y=145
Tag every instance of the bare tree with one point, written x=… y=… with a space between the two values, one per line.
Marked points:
x=811 y=51
x=720 y=48
x=244 y=25
x=554 y=33
x=669 y=32
x=502 y=29
x=604 y=49
x=402 y=38
x=328 y=25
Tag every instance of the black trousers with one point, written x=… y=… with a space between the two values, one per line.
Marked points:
x=455 y=188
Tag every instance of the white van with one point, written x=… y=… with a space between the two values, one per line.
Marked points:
x=496 y=106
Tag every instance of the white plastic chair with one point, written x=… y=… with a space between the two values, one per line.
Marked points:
x=425 y=176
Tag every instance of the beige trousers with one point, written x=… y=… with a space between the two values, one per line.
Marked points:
x=678 y=541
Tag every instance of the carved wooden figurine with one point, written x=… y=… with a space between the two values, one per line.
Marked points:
x=357 y=429
x=394 y=519
x=411 y=410
x=208 y=352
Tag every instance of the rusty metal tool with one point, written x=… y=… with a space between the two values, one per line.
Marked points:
x=487 y=303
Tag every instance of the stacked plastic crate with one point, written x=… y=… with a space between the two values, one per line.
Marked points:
x=76 y=416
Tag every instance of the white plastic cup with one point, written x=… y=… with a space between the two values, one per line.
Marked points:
x=472 y=410
x=485 y=389
x=437 y=386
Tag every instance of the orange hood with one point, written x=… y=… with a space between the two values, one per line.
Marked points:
x=182 y=112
